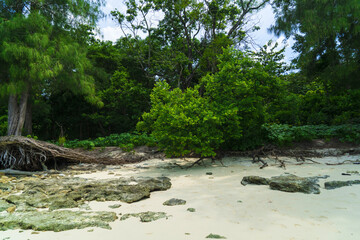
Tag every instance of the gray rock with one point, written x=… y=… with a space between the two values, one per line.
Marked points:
x=292 y=183
x=145 y=216
x=55 y=221
x=286 y=183
x=73 y=192
x=174 y=201
x=338 y=184
x=256 y=180
x=4 y=205
x=114 y=206
x=215 y=236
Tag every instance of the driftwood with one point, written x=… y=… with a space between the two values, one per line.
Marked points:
x=21 y=153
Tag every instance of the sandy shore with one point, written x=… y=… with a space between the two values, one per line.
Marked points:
x=225 y=207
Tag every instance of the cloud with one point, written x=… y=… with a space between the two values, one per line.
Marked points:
x=110 y=33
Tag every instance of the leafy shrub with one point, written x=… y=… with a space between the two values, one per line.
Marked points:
x=285 y=134
x=182 y=122
x=228 y=113
x=125 y=140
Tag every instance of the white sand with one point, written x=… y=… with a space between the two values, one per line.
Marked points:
x=262 y=214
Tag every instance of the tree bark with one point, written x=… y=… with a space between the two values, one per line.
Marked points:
x=28 y=120
x=17 y=113
x=13 y=113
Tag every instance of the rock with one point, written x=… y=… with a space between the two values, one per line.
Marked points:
x=215 y=236
x=114 y=206
x=156 y=184
x=338 y=184
x=145 y=216
x=4 y=205
x=286 y=183
x=174 y=201
x=256 y=180
x=20 y=186
x=11 y=209
x=191 y=209
x=292 y=183
x=55 y=221
x=73 y=192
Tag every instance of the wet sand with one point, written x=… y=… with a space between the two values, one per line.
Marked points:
x=225 y=207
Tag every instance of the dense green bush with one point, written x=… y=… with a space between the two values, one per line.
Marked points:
x=182 y=122
x=124 y=140
x=286 y=134
x=226 y=110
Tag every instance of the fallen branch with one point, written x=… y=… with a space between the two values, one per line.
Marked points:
x=260 y=160
x=199 y=162
x=346 y=161
x=18 y=172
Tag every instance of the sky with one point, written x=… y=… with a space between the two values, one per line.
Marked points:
x=265 y=18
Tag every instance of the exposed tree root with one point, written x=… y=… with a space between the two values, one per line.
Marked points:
x=199 y=162
x=21 y=153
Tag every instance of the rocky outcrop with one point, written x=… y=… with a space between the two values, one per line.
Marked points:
x=256 y=180
x=292 y=183
x=73 y=192
x=55 y=221
x=145 y=216
x=338 y=184
x=174 y=202
x=286 y=183
x=20 y=199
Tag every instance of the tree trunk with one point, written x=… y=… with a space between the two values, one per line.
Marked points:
x=13 y=114
x=17 y=113
x=28 y=120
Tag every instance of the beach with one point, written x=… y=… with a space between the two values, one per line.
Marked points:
x=222 y=206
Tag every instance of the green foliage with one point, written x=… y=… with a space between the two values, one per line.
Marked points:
x=182 y=122
x=228 y=113
x=286 y=134
x=3 y=125
x=184 y=45
x=33 y=137
x=327 y=37
x=125 y=140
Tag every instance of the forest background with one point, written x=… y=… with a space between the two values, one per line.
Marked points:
x=187 y=82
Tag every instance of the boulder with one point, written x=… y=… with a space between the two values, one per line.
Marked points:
x=145 y=216
x=286 y=183
x=292 y=183
x=55 y=221
x=338 y=184
x=174 y=201
x=256 y=180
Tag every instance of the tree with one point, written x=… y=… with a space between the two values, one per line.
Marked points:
x=38 y=53
x=182 y=46
x=224 y=111
x=327 y=35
